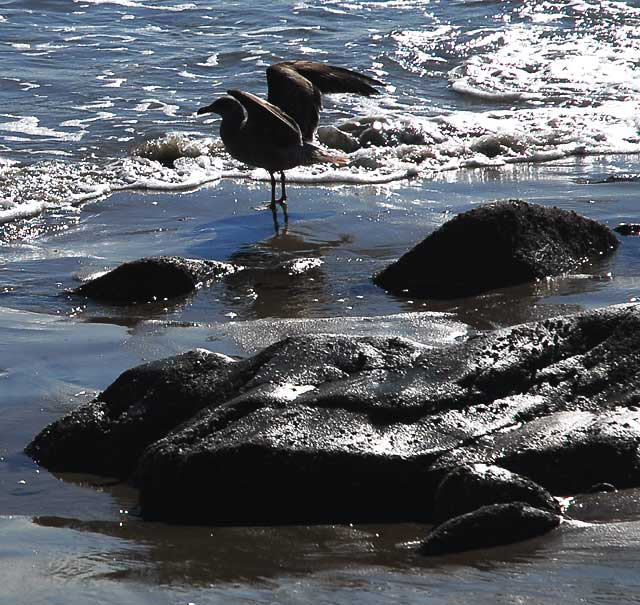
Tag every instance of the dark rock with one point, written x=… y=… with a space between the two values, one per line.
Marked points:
x=566 y=452
x=153 y=279
x=494 y=246
x=469 y=487
x=627 y=229
x=493 y=145
x=337 y=428
x=106 y=436
x=337 y=139
x=488 y=526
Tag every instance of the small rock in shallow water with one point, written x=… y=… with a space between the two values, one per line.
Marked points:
x=488 y=526
x=627 y=229
x=469 y=487
x=337 y=139
x=153 y=279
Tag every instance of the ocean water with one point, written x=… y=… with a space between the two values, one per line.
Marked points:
x=102 y=160
x=93 y=92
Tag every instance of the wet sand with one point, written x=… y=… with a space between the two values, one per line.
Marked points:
x=76 y=539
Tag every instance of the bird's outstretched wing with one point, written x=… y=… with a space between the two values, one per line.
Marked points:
x=296 y=87
x=296 y=95
x=330 y=79
x=268 y=121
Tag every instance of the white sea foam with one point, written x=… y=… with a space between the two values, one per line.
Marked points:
x=101 y=115
x=157 y=104
x=134 y=4
x=391 y=148
x=30 y=125
x=540 y=59
x=6 y=163
x=212 y=61
x=115 y=83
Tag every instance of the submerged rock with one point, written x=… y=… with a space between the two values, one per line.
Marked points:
x=469 y=487
x=321 y=428
x=627 y=229
x=153 y=279
x=488 y=526
x=497 y=245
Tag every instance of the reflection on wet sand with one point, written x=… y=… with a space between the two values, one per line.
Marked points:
x=283 y=276
x=207 y=555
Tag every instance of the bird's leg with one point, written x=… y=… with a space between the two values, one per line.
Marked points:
x=272 y=205
x=283 y=199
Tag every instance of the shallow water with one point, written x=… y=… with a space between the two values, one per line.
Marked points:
x=57 y=351
x=92 y=96
x=479 y=97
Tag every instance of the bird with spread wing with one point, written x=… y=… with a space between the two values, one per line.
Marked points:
x=277 y=134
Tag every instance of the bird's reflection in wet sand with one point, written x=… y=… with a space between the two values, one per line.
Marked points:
x=283 y=276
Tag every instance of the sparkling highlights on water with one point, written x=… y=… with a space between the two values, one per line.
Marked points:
x=566 y=53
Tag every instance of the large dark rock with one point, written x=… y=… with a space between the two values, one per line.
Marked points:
x=488 y=526
x=145 y=403
x=153 y=279
x=336 y=428
x=469 y=487
x=497 y=245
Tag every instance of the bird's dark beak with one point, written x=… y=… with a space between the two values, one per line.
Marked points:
x=207 y=109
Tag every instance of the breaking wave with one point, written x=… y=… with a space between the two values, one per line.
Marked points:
x=380 y=149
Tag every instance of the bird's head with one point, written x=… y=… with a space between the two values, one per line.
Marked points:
x=223 y=106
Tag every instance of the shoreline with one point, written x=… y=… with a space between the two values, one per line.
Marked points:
x=56 y=348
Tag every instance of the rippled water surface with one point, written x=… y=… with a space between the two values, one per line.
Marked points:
x=91 y=93
x=102 y=160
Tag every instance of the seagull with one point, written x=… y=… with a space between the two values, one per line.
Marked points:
x=277 y=134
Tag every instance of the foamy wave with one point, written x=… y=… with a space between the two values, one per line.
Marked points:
x=594 y=60
x=30 y=190
x=30 y=126
x=134 y=4
x=6 y=163
x=173 y=146
x=381 y=149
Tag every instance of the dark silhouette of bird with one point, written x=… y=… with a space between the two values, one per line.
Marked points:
x=277 y=134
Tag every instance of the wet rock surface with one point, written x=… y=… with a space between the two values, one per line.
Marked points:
x=322 y=428
x=337 y=139
x=470 y=487
x=488 y=526
x=497 y=245
x=627 y=229
x=153 y=279
x=144 y=404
